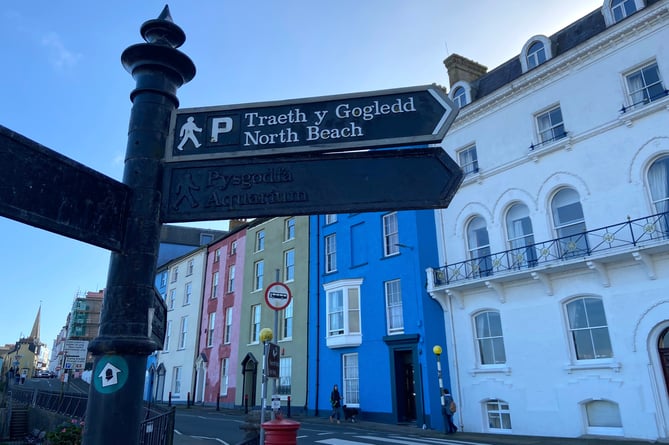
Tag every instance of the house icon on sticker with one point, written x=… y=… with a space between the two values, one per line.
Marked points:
x=109 y=375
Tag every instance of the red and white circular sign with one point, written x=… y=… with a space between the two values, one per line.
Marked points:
x=278 y=296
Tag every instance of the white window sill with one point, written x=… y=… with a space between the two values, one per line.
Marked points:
x=590 y=365
x=492 y=369
x=344 y=341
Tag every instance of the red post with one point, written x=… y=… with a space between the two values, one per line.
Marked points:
x=281 y=432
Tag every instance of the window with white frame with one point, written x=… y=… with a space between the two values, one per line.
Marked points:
x=183 y=332
x=231 y=278
x=190 y=265
x=285 y=375
x=233 y=248
x=210 y=329
x=289 y=229
x=175 y=274
x=351 y=382
x=459 y=96
x=478 y=245
x=163 y=279
x=520 y=236
x=255 y=324
x=644 y=85
x=536 y=54
x=168 y=334
x=623 y=8
x=343 y=313
x=258 y=272
x=331 y=253
x=188 y=293
x=550 y=126
x=225 y=376
x=176 y=381
x=489 y=338
x=330 y=218
x=228 y=326
x=260 y=240
x=588 y=329
x=394 y=310
x=658 y=184
x=499 y=415
x=468 y=160
x=217 y=255
x=569 y=223
x=214 y=285
x=286 y=328
x=289 y=265
x=391 y=237
x=602 y=415
x=172 y=298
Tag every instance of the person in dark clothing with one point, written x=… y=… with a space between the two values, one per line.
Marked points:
x=335 y=401
x=448 y=408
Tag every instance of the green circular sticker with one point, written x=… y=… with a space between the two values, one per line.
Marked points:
x=110 y=374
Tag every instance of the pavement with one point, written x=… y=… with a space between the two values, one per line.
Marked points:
x=412 y=429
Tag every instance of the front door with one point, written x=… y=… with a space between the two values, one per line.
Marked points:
x=663 y=349
x=406 y=389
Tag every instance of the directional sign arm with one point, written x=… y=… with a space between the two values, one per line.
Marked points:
x=45 y=189
x=406 y=179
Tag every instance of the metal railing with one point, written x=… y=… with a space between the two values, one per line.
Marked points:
x=635 y=232
x=157 y=428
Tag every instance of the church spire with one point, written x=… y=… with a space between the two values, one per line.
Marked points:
x=34 y=334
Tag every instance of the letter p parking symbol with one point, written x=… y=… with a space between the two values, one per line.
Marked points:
x=220 y=125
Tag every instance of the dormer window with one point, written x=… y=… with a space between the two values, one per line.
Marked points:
x=536 y=51
x=459 y=97
x=616 y=10
x=460 y=93
x=536 y=55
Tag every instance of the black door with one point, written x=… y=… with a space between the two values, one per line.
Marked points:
x=406 y=390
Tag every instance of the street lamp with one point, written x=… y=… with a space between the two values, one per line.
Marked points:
x=437 y=351
x=266 y=335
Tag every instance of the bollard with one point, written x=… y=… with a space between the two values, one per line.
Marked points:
x=281 y=432
x=188 y=400
x=218 y=403
x=288 y=407
x=246 y=403
x=169 y=399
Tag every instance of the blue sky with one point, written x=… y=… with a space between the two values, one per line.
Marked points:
x=62 y=85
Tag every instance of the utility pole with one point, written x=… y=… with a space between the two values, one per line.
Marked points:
x=115 y=407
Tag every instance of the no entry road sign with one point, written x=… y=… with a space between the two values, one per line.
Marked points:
x=387 y=118
x=309 y=184
x=278 y=296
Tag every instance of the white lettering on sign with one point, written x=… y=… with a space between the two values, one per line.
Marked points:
x=315 y=132
x=369 y=112
x=293 y=116
x=220 y=125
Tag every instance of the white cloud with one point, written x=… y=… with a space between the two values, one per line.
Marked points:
x=59 y=55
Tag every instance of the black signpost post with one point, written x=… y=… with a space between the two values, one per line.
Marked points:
x=256 y=160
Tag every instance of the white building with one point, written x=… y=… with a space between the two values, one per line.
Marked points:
x=176 y=362
x=554 y=253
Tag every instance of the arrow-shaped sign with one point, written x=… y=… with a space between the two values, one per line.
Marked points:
x=309 y=184
x=45 y=189
x=387 y=118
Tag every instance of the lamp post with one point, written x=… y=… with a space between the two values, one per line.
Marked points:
x=266 y=335
x=437 y=351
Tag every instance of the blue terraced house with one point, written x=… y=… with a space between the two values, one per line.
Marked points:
x=373 y=326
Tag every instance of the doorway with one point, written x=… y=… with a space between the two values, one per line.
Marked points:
x=249 y=375
x=405 y=381
x=663 y=349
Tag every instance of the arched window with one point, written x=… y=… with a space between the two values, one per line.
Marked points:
x=520 y=236
x=588 y=328
x=459 y=96
x=536 y=55
x=658 y=183
x=499 y=415
x=478 y=245
x=622 y=9
x=569 y=223
x=489 y=338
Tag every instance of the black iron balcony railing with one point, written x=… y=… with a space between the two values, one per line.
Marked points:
x=634 y=232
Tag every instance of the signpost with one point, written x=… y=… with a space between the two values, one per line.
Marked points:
x=265 y=159
x=309 y=184
x=75 y=352
x=407 y=116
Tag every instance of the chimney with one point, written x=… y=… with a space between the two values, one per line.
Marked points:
x=234 y=223
x=460 y=68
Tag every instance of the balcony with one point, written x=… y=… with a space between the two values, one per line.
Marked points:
x=634 y=233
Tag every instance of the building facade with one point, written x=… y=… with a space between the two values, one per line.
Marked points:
x=372 y=324
x=554 y=254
